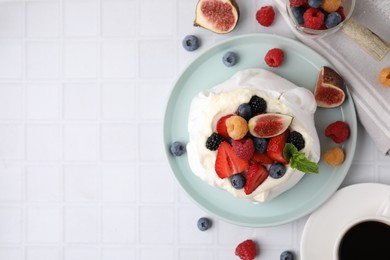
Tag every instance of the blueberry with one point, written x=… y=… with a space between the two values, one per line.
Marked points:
x=298 y=14
x=191 y=43
x=260 y=144
x=177 y=148
x=332 y=20
x=287 y=255
x=244 y=110
x=230 y=59
x=315 y=3
x=238 y=181
x=204 y=224
x=277 y=170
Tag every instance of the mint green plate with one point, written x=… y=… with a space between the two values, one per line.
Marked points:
x=301 y=66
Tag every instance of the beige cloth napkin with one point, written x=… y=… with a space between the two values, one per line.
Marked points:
x=358 y=68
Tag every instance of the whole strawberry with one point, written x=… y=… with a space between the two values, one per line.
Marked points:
x=246 y=250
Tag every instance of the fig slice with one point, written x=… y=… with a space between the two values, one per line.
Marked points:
x=269 y=124
x=330 y=88
x=219 y=16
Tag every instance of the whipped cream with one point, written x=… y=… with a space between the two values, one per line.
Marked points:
x=281 y=95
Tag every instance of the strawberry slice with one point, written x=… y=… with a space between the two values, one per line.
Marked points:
x=227 y=162
x=257 y=173
x=221 y=127
x=275 y=147
x=262 y=158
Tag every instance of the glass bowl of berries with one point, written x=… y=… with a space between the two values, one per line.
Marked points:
x=319 y=17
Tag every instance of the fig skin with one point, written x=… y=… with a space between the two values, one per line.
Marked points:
x=330 y=88
x=202 y=21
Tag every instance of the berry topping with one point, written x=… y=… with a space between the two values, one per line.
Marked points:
x=230 y=59
x=313 y=18
x=246 y=250
x=286 y=255
x=221 y=127
x=237 y=127
x=203 y=223
x=277 y=170
x=177 y=148
x=227 y=162
x=297 y=2
x=265 y=15
x=274 y=57
x=334 y=156
x=275 y=147
x=296 y=139
x=330 y=5
x=244 y=110
x=315 y=3
x=256 y=175
x=262 y=158
x=257 y=104
x=332 y=19
x=213 y=142
x=338 y=131
x=191 y=43
x=260 y=144
x=244 y=148
x=238 y=181
x=298 y=14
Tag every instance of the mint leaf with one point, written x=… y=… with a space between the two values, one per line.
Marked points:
x=298 y=160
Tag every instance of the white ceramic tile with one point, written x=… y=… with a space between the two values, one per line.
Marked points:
x=11 y=100
x=229 y=234
x=119 y=225
x=226 y=254
x=156 y=225
x=43 y=183
x=119 y=142
x=81 y=253
x=11 y=141
x=43 y=18
x=196 y=253
x=359 y=173
x=43 y=224
x=156 y=178
x=119 y=59
x=279 y=235
x=11 y=181
x=118 y=183
x=157 y=253
x=80 y=101
x=14 y=253
x=157 y=58
x=153 y=96
x=150 y=135
x=43 y=59
x=118 y=254
x=12 y=19
x=43 y=100
x=383 y=174
x=80 y=58
x=43 y=142
x=118 y=100
x=11 y=54
x=162 y=20
x=188 y=232
x=81 y=226
x=186 y=14
x=80 y=18
x=80 y=142
x=10 y=225
x=43 y=253
x=118 y=18
x=81 y=182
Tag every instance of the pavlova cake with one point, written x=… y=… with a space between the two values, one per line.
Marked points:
x=253 y=135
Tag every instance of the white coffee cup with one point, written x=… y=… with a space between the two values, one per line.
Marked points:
x=351 y=235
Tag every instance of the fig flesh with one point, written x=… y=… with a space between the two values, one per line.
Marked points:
x=269 y=124
x=219 y=16
x=330 y=88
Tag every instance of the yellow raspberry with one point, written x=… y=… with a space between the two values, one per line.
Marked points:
x=384 y=77
x=334 y=156
x=330 y=5
x=237 y=127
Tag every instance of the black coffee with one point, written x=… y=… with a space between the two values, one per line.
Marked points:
x=368 y=240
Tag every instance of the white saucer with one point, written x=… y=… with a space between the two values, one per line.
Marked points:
x=323 y=226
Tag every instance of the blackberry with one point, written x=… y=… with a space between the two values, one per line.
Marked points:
x=214 y=141
x=257 y=104
x=296 y=139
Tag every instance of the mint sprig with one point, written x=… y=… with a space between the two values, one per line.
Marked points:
x=298 y=160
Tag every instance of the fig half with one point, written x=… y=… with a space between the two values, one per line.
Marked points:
x=269 y=124
x=330 y=88
x=219 y=16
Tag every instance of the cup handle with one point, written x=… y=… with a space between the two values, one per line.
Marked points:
x=384 y=209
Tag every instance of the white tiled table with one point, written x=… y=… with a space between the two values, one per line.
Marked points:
x=83 y=175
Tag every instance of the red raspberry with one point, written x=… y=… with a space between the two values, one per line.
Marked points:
x=274 y=57
x=298 y=3
x=313 y=18
x=265 y=15
x=338 y=131
x=244 y=148
x=341 y=13
x=246 y=250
